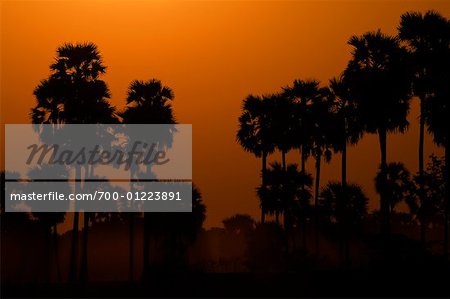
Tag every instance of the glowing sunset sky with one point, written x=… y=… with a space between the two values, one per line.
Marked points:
x=212 y=54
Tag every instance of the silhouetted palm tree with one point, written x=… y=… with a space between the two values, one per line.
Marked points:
x=74 y=94
x=148 y=102
x=254 y=133
x=346 y=127
x=287 y=193
x=395 y=183
x=379 y=80
x=321 y=131
x=345 y=205
x=302 y=93
x=437 y=106
x=426 y=37
x=282 y=124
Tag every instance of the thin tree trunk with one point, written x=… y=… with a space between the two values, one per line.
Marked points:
x=131 y=246
x=344 y=228
x=423 y=221
x=303 y=159
x=56 y=248
x=131 y=235
x=74 y=245
x=48 y=253
x=146 y=257
x=447 y=197
x=384 y=204
x=146 y=253
x=283 y=163
x=263 y=179
x=84 y=250
x=317 y=183
x=316 y=203
x=344 y=164
x=303 y=170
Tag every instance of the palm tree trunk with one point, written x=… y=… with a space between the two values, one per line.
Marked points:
x=423 y=222
x=56 y=248
x=48 y=253
x=84 y=252
x=304 y=234
x=344 y=164
x=447 y=197
x=146 y=257
x=303 y=159
x=283 y=163
x=131 y=237
x=131 y=246
x=146 y=253
x=316 y=202
x=263 y=179
x=384 y=204
x=74 y=245
x=131 y=234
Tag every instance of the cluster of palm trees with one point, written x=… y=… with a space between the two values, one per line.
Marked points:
x=372 y=95
x=74 y=93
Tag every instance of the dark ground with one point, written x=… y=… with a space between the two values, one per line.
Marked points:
x=402 y=283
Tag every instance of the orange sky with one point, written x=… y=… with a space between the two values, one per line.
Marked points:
x=212 y=54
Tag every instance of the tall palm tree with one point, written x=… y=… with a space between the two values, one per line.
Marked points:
x=437 y=101
x=379 y=80
x=74 y=94
x=254 y=133
x=302 y=93
x=311 y=112
x=321 y=129
x=426 y=38
x=347 y=126
x=321 y=133
x=148 y=102
x=283 y=122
